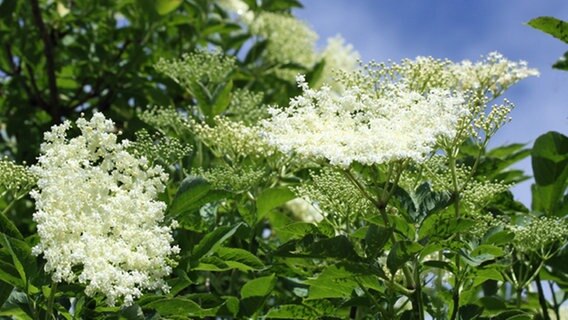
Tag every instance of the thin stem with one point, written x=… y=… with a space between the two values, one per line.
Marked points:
x=457 y=282
x=49 y=312
x=554 y=301
x=541 y=299
x=418 y=293
x=519 y=297
x=50 y=61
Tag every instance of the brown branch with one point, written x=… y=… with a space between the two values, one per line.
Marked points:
x=37 y=95
x=50 y=62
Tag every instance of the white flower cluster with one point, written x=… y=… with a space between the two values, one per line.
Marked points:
x=338 y=56
x=96 y=215
x=359 y=126
x=493 y=74
x=15 y=179
x=232 y=139
x=289 y=40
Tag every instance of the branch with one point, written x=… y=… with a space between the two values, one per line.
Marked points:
x=50 y=61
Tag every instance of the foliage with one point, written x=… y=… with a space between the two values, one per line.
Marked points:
x=556 y=28
x=223 y=189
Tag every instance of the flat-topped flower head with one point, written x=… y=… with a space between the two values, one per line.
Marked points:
x=360 y=126
x=97 y=218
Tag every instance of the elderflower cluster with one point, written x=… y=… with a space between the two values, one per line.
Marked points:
x=475 y=194
x=331 y=192
x=539 y=234
x=290 y=41
x=493 y=75
x=14 y=178
x=246 y=107
x=198 y=67
x=360 y=126
x=167 y=149
x=338 y=56
x=97 y=218
x=233 y=179
x=232 y=139
x=164 y=119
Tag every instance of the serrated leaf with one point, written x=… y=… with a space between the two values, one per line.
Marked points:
x=190 y=191
x=272 y=198
x=482 y=275
x=292 y=311
x=8 y=228
x=213 y=240
x=222 y=98
x=240 y=259
x=553 y=26
x=181 y=307
x=259 y=287
x=376 y=238
x=400 y=253
x=22 y=258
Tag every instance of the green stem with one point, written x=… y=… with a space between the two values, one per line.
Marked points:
x=49 y=312
x=541 y=299
x=554 y=301
x=457 y=282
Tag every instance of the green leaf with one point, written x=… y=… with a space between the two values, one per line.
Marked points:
x=296 y=230
x=133 y=312
x=376 y=238
x=166 y=6
x=549 y=158
x=554 y=27
x=272 y=198
x=400 y=253
x=255 y=52
x=314 y=76
x=213 y=240
x=259 y=287
x=439 y=264
x=240 y=259
x=214 y=264
x=443 y=225
x=222 y=98
x=8 y=228
x=487 y=249
x=23 y=260
x=550 y=168
x=562 y=63
x=190 y=191
x=230 y=307
x=499 y=237
x=482 y=275
x=277 y=5
x=339 y=280
x=181 y=307
x=337 y=247
x=292 y=311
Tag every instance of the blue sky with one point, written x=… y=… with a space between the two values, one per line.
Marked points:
x=458 y=30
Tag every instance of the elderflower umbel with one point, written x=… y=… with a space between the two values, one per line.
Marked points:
x=97 y=217
x=359 y=126
x=200 y=66
x=15 y=178
x=232 y=139
x=289 y=41
x=338 y=56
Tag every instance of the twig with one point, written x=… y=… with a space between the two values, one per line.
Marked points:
x=50 y=62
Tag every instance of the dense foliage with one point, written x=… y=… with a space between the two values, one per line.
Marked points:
x=204 y=159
